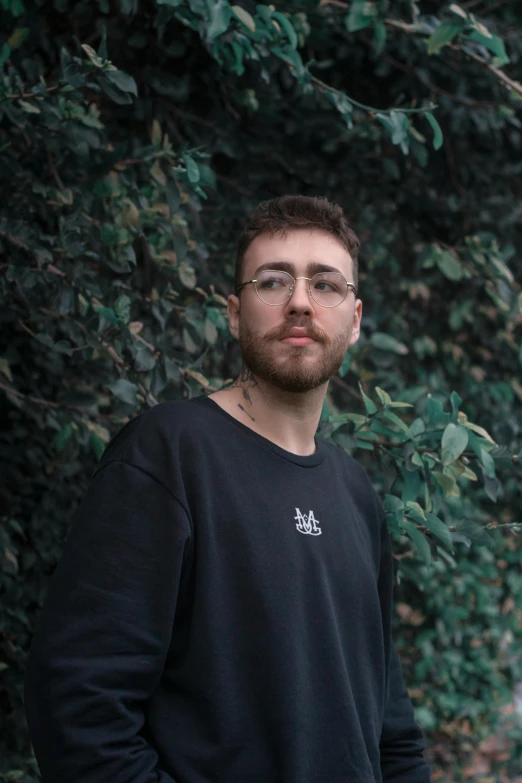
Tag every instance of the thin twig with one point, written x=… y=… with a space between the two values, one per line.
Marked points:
x=16 y=242
x=14 y=96
x=371 y=109
x=516 y=86
x=54 y=172
x=40 y=401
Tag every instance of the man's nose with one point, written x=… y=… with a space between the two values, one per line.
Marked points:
x=300 y=301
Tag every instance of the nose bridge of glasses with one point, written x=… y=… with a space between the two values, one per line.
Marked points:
x=293 y=285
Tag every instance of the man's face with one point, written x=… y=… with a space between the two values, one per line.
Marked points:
x=263 y=330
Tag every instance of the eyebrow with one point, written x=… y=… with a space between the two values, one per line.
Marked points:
x=313 y=268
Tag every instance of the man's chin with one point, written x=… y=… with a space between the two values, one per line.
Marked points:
x=292 y=368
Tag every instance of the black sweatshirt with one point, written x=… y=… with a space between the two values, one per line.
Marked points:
x=221 y=612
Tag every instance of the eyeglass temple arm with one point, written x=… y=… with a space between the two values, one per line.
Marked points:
x=246 y=283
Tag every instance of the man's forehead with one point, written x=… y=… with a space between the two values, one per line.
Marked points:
x=300 y=250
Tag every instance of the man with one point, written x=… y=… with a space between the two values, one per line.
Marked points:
x=222 y=610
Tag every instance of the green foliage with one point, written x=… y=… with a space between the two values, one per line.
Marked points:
x=124 y=183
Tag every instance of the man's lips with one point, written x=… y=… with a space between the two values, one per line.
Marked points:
x=298 y=335
x=298 y=340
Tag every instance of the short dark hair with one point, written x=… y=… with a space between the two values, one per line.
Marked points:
x=278 y=215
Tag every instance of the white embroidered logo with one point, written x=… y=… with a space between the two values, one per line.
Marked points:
x=307 y=524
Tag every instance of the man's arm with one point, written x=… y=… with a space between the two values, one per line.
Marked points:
x=402 y=741
x=103 y=634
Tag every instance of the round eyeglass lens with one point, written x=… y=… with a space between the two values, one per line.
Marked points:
x=328 y=289
x=274 y=287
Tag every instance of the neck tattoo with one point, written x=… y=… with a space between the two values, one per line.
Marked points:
x=245 y=411
x=245 y=381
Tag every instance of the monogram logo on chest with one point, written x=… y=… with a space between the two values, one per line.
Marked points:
x=307 y=523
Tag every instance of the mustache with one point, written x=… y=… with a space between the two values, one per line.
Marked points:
x=282 y=331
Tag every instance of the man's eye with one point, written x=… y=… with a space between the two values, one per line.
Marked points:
x=323 y=286
x=271 y=282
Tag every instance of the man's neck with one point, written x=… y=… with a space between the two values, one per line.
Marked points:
x=288 y=419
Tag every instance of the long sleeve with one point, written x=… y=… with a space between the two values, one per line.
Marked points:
x=402 y=741
x=103 y=635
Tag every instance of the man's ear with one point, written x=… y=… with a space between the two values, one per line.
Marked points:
x=233 y=315
x=356 y=326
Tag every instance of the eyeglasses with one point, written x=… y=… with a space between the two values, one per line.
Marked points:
x=275 y=287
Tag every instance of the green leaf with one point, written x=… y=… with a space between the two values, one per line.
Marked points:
x=4 y=54
x=122 y=307
x=102 y=48
x=207 y=176
x=397 y=124
x=420 y=541
x=343 y=105
x=220 y=15
x=187 y=275
x=244 y=17
x=448 y=484
x=494 y=44
x=479 y=430
x=436 y=413
x=17 y=38
x=363 y=444
x=93 y=57
x=123 y=81
x=488 y=463
x=144 y=360
x=467 y=527
x=379 y=36
x=62 y=438
x=454 y=441
x=385 y=342
x=444 y=34
x=357 y=418
x=393 y=503
x=439 y=529
x=124 y=390
x=29 y=108
x=449 y=265
x=456 y=402
x=415 y=511
x=121 y=97
x=63 y=346
x=108 y=313
x=359 y=16
x=438 y=137
x=346 y=364
x=211 y=332
x=383 y=396
x=390 y=416
x=192 y=168
x=417 y=427
x=97 y=444
x=173 y=197
x=172 y=370
x=287 y=27
x=369 y=404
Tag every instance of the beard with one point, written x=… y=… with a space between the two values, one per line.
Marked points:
x=295 y=370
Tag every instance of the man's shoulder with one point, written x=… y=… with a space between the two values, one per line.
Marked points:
x=155 y=433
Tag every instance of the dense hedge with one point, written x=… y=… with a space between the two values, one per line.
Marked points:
x=134 y=139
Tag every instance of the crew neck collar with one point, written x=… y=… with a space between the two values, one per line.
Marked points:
x=309 y=461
